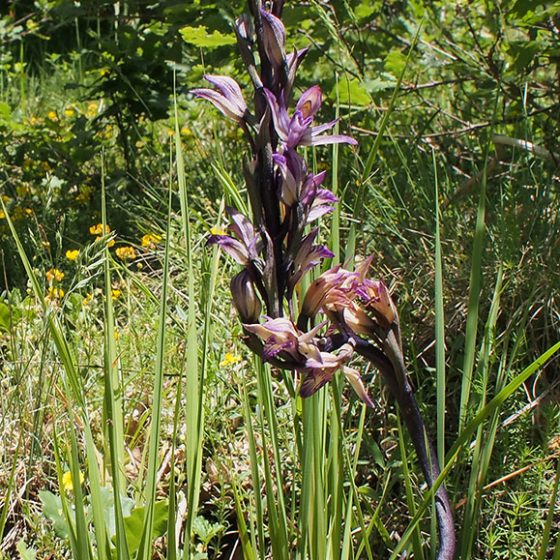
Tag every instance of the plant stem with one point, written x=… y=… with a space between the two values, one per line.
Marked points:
x=401 y=390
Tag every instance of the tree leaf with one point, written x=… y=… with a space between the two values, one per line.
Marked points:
x=201 y=37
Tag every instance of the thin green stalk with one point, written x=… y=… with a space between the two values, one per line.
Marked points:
x=475 y=284
x=194 y=383
x=145 y=548
x=440 y=326
x=484 y=441
x=113 y=393
x=259 y=506
x=273 y=481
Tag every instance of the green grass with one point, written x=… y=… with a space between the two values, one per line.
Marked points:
x=191 y=448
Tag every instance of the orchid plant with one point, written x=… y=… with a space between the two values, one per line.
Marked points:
x=343 y=313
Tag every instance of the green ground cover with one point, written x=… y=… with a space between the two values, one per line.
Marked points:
x=121 y=360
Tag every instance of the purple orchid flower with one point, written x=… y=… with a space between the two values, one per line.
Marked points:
x=320 y=371
x=228 y=99
x=297 y=130
x=308 y=256
x=246 y=245
x=283 y=340
x=298 y=185
x=360 y=303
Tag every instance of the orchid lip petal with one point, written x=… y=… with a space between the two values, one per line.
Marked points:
x=318 y=211
x=310 y=101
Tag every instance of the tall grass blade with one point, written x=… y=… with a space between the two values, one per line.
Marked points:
x=484 y=440
x=113 y=393
x=475 y=283
x=440 y=326
x=145 y=548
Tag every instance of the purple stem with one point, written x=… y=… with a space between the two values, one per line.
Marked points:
x=402 y=392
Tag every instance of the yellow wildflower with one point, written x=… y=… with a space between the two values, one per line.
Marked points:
x=218 y=231
x=55 y=293
x=2 y=215
x=72 y=254
x=229 y=359
x=186 y=131
x=92 y=109
x=52 y=115
x=150 y=240
x=54 y=274
x=97 y=229
x=69 y=112
x=115 y=294
x=67 y=482
x=126 y=253
x=87 y=299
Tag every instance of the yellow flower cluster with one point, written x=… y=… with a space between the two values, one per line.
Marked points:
x=72 y=254
x=92 y=110
x=150 y=240
x=97 y=230
x=54 y=293
x=218 y=231
x=54 y=275
x=115 y=294
x=126 y=253
x=67 y=482
x=229 y=359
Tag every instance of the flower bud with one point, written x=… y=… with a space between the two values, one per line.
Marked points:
x=274 y=38
x=382 y=306
x=245 y=298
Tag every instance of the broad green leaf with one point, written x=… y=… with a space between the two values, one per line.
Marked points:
x=24 y=552
x=395 y=62
x=52 y=510
x=5 y=111
x=134 y=525
x=351 y=93
x=201 y=37
x=365 y=9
